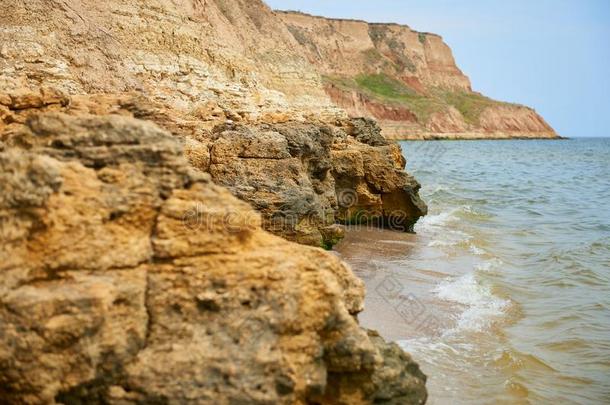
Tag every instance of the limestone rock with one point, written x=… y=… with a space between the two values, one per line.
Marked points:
x=304 y=178
x=127 y=277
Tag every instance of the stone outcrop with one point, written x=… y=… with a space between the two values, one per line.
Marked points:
x=127 y=276
x=305 y=178
x=407 y=80
x=129 y=271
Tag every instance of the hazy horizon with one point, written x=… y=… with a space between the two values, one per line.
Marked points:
x=552 y=56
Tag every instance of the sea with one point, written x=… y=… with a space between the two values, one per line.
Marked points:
x=503 y=294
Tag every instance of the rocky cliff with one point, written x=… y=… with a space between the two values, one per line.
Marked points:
x=129 y=277
x=146 y=148
x=220 y=75
x=304 y=177
x=205 y=60
x=407 y=80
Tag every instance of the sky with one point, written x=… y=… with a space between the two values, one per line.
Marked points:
x=552 y=55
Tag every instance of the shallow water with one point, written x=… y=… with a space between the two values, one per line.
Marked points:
x=503 y=296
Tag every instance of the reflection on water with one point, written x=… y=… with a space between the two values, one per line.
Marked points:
x=503 y=295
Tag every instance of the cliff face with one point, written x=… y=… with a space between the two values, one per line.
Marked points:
x=207 y=61
x=304 y=177
x=129 y=271
x=128 y=277
x=407 y=80
x=192 y=67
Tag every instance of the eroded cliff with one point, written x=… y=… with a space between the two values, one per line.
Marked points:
x=128 y=277
x=129 y=271
x=213 y=73
x=407 y=80
x=207 y=61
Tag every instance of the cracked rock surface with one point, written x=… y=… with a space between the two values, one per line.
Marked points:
x=128 y=277
x=306 y=177
x=303 y=177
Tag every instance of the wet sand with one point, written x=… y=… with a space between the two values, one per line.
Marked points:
x=402 y=273
x=398 y=303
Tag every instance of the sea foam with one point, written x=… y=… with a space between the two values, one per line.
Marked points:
x=482 y=307
x=435 y=221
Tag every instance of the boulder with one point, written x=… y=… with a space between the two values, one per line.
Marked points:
x=306 y=177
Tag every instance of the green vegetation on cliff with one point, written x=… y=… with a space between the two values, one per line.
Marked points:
x=385 y=86
x=386 y=89
x=470 y=105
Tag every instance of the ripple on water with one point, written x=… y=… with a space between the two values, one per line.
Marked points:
x=516 y=252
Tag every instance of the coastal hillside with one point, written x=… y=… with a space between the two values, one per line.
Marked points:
x=405 y=79
x=228 y=79
x=206 y=61
x=158 y=161
x=171 y=172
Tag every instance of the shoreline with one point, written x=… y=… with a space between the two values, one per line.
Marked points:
x=474 y=137
x=490 y=265
x=215 y=160
x=521 y=138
